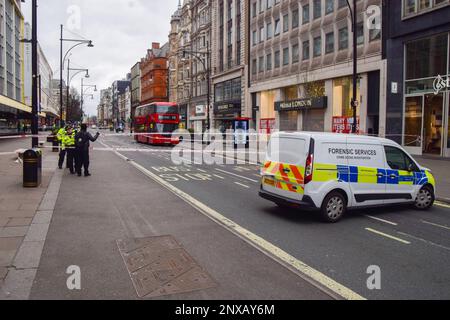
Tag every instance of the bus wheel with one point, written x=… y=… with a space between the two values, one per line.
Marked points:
x=334 y=207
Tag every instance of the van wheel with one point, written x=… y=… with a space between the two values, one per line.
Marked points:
x=425 y=198
x=334 y=207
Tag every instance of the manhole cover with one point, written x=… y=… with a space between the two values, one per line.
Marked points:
x=160 y=266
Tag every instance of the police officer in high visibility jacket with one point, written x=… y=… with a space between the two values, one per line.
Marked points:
x=69 y=146
x=62 y=153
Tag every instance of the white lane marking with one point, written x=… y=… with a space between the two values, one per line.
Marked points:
x=306 y=272
x=242 y=185
x=257 y=175
x=441 y=204
x=201 y=170
x=237 y=175
x=382 y=220
x=387 y=236
x=217 y=176
x=425 y=241
x=436 y=225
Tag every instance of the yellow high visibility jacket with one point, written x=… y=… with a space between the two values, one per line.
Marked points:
x=68 y=141
x=60 y=135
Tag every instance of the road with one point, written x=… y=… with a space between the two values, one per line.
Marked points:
x=411 y=248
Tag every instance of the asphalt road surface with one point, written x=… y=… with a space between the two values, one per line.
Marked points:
x=411 y=248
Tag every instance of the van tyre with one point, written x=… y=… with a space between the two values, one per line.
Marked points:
x=334 y=207
x=425 y=198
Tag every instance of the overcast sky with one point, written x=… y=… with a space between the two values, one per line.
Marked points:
x=121 y=30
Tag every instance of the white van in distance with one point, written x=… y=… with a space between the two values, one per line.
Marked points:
x=333 y=172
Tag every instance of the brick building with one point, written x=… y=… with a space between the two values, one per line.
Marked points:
x=154 y=74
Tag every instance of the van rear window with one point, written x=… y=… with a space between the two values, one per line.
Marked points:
x=287 y=150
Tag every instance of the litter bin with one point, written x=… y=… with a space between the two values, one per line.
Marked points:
x=32 y=168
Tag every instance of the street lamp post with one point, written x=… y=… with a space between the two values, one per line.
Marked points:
x=62 y=61
x=83 y=93
x=354 y=102
x=206 y=67
x=34 y=62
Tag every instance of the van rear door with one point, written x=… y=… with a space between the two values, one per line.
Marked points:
x=284 y=169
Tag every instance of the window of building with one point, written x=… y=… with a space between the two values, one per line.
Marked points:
x=342 y=3
x=286 y=23
x=295 y=53
x=305 y=50
x=277 y=27
x=317 y=46
x=360 y=33
x=254 y=66
x=413 y=7
x=342 y=96
x=295 y=18
x=343 y=38
x=329 y=6
x=285 y=56
x=269 y=4
x=261 y=64
x=269 y=30
x=254 y=9
x=374 y=34
x=277 y=59
x=261 y=6
x=305 y=14
x=317 y=9
x=254 y=37
x=261 y=34
x=329 y=42
x=269 y=62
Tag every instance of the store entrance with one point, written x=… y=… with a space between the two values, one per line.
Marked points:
x=433 y=116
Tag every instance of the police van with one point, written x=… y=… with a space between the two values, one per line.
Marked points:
x=334 y=172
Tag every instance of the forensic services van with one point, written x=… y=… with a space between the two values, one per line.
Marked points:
x=333 y=172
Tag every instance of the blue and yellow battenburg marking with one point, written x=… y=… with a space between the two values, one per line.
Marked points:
x=357 y=174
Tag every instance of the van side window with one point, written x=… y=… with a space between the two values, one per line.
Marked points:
x=398 y=160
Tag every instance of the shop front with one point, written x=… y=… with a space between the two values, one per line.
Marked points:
x=312 y=112
x=197 y=118
x=225 y=114
x=426 y=96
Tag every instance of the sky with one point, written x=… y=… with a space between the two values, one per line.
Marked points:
x=121 y=31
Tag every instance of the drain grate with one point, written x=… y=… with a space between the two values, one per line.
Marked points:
x=160 y=266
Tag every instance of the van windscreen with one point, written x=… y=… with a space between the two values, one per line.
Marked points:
x=287 y=150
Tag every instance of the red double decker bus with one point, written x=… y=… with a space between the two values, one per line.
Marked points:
x=155 y=122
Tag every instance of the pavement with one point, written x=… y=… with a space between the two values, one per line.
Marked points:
x=441 y=170
x=24 y=219
x=242 y=246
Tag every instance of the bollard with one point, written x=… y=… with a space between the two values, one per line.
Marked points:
x=32 y=168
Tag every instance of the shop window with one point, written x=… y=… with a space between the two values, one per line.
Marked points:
x=290 y=93
x=288 y=120
x=413 y=122
x=267 y=107
x=313 y=120
x=342 y=97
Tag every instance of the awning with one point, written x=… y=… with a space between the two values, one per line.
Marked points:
x=14 y=104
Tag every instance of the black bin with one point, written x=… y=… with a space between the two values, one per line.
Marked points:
x=32 y=168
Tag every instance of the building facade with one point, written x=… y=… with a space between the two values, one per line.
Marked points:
x=173 y=54
x=13 y=109
x=104 y=110
x=418 y=58
x=154 y=74
x=229 y=76
x=300 y=62
x=118 y=88
x=200 y=60
x=135 y=87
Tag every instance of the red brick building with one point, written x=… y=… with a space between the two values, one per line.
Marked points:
x=154 y=75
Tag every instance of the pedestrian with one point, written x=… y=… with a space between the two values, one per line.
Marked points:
x=82 y=144
x=69 y=147
x=62 y=152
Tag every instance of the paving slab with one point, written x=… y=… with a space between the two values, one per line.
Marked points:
x=11 y=232
x=29 y=255
x=7 y=257
x=17 y=284
x=43 y=217
x=37 y=232
x=19 y=222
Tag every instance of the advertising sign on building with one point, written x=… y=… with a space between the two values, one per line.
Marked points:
x=344 y=125
x=302 y=104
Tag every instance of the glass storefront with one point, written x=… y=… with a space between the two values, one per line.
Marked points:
x=342 y=97
x=426 y=110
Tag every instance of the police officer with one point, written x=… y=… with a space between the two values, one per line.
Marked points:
x=62 y=153
x=82 y=143
x=69 y=146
